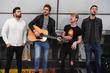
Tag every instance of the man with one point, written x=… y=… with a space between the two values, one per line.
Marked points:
x=43 y=21
x=14 y=34
x=92 y=31
x=72 y=36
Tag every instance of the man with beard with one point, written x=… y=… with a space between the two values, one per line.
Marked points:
x=14 y=34
x=45 y=22
x=92 y=31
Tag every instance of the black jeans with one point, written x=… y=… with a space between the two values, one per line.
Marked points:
x=67 y=50
x=10 y=52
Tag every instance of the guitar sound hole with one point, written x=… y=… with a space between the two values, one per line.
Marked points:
x=39 y=37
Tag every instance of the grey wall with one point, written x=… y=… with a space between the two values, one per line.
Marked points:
x=60 y=7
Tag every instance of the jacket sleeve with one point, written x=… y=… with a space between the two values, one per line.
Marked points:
x=100 y=28
x=53 y=33
x=33 y=22
x=83 y=28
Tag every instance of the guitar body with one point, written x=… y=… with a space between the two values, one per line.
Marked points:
x=32 y=37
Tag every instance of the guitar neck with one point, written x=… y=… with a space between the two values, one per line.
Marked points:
x=51 y=37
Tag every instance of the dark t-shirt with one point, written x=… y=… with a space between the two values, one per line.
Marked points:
x=92 y=31
x=74 y=32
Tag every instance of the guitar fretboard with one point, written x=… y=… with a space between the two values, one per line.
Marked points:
x=51 y=37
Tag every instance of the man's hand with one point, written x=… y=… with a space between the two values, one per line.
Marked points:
x=8 y=45
x=74 y=45
x=36 y=33
x=24 y=44
x=59 y=39
x=68 y=38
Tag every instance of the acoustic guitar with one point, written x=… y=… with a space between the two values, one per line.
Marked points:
x=43 y=37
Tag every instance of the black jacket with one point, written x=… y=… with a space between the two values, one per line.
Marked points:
x=86 y=29
x=39 y=22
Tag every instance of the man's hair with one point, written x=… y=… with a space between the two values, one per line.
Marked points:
x=47 y=5
x=75 y=14
x=16 y=8
x=94 y=6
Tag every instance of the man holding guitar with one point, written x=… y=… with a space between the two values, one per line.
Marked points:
x=38 y=26
x=73 y=36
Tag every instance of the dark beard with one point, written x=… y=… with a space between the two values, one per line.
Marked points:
x=18 y=16
x=93 y=14
x=46 y=14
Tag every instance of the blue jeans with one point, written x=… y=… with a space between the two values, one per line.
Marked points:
x=38 y=47
x=96 y=49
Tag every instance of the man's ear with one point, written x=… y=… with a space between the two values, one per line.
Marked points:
x=13 y=14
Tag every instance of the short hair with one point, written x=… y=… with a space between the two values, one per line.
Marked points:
x=94 y=6
x=75 y=14
x=47 y=5
x=16 y=8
